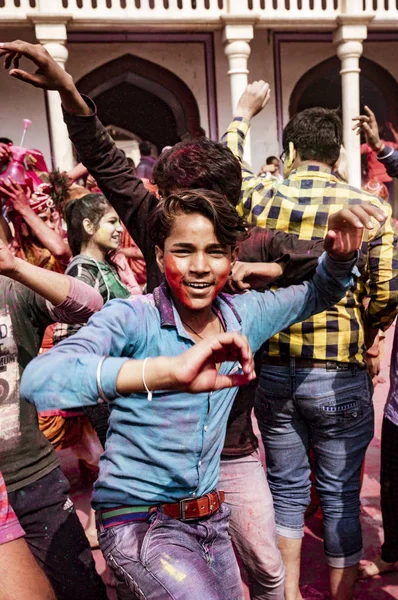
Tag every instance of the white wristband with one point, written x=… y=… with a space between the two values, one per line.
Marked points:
x=386 y=156
x=144 y=382
x=99 y=385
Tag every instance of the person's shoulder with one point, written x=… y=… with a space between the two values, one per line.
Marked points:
x=355 y=195
x=14 y=291
x=240 y=304
x=83 y=262
x=134 y=303
x=131 y=314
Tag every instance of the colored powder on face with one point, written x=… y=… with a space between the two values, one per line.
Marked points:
x=175 y=280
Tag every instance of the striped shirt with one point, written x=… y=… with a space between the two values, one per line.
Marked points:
x=301 y=204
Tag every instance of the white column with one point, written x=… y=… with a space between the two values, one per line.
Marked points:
x=236 y=40
x=53 y=38
x=349 y=37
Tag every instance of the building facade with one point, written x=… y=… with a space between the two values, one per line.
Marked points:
x=163 y=69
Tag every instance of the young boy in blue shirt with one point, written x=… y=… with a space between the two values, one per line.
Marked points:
x=169 y=364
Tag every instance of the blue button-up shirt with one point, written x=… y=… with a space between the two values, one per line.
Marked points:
x=169 y=448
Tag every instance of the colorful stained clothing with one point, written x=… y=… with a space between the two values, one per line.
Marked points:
x=10 y=529
x=180 y=448
x=301 y=204
x=134 y=202
x=39 y=256
x=100 y=275
x=25 y=454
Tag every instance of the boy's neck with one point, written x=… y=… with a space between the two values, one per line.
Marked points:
x=201 y=322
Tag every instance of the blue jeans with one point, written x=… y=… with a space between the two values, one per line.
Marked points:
x=168 y=559
x=332 y=413
x=252 y=524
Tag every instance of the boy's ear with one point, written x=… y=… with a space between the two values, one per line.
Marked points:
x=290 y=157
x=159 y=258
x=234 y=256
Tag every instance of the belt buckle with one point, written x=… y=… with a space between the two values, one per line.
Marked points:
x=212 y=505
x=181 y=508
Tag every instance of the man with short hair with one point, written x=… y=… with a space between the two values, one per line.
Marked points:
x=314 y=391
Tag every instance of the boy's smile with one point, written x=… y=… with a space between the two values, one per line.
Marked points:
x=195 y=264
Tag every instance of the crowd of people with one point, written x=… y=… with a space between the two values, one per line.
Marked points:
x=145 y=312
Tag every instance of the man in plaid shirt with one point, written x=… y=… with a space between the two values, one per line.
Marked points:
x=314 y=390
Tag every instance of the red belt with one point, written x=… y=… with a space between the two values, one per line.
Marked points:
x=185 y=510
x=194 y=508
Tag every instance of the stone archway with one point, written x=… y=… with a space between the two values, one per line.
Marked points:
x=321 y=86
x=137 y=95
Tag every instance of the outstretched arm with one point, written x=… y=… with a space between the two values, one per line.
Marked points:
x=77 y=299
x=275 y=311
x=296 y=260
x=96 y=362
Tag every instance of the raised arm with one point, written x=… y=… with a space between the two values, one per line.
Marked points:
x=252 y=101
x=95 y=148
x=367 y=125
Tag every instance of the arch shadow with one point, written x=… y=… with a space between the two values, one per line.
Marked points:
x=322 y=85
x=137 y=94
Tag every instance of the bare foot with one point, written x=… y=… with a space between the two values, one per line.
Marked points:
x=371 y=568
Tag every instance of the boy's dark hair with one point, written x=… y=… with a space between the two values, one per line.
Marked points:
x=90 y=206
x=270 y=160
x=5 y=140
x=199 y=164
x=229 y=226
x=317 y=134
x=145 y=148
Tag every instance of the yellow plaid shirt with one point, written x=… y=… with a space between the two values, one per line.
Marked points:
x=301 y=205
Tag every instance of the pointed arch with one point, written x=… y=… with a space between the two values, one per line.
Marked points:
x=144 y=95
x=325 y=79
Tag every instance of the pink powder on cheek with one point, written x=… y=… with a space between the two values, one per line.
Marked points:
x=222 y=279
x=174 y=279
